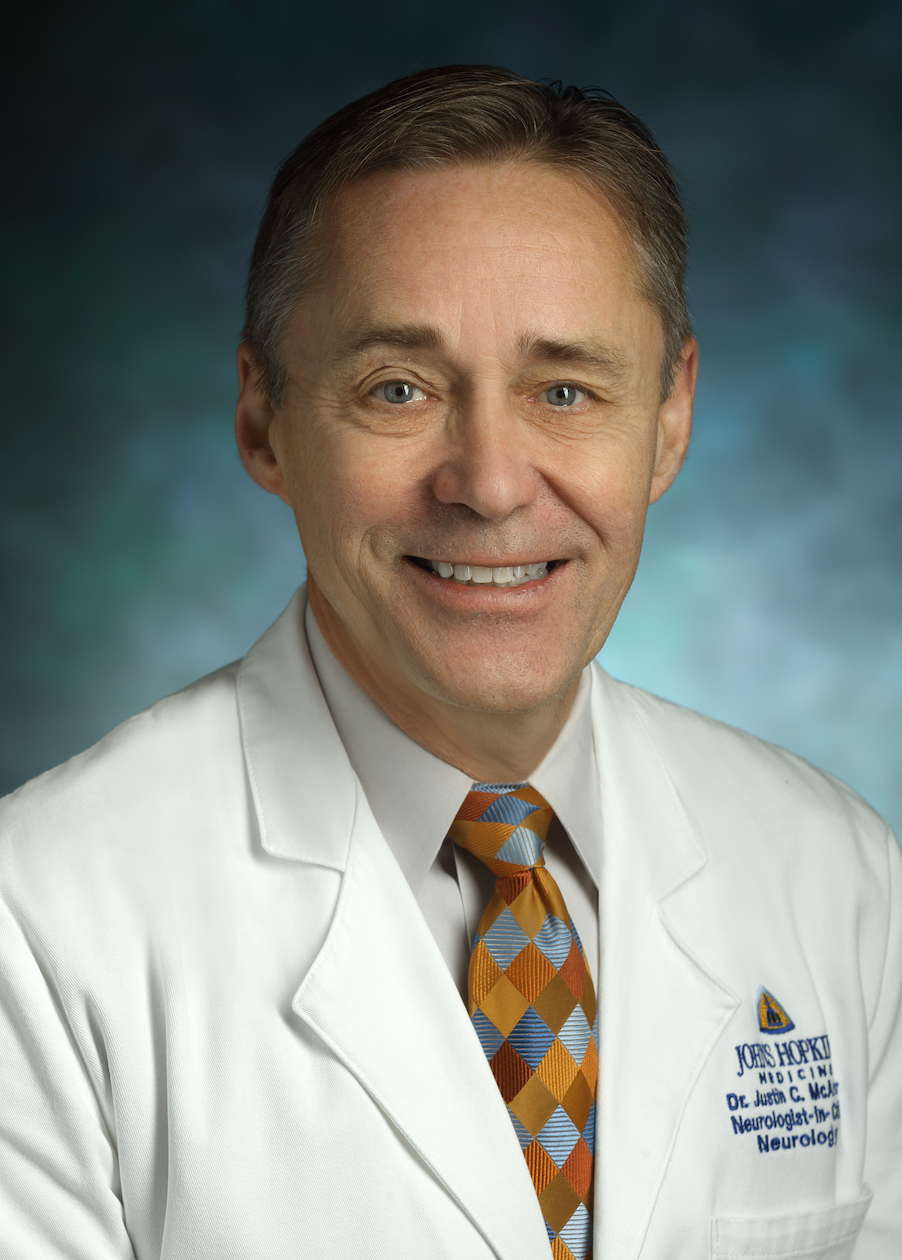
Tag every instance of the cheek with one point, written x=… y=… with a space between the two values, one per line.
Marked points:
x=348 y=498
x=610 y=493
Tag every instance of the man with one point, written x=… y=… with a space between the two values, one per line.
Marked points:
x=241 y=1012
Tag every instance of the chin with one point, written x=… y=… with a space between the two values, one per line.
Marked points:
x=501 y=691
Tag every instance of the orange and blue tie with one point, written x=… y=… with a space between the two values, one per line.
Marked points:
x=532 y=1003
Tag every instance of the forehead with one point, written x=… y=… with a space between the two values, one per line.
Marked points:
x=468 y=208
x=512 y=249
x=458 y=186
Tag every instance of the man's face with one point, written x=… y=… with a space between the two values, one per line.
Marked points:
x=474 y=383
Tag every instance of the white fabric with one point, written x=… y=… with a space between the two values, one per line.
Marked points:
x=415 y=796
x=227 y=1031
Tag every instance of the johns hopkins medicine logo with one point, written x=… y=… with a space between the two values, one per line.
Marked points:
x=771 y=1016
x=791 y=1101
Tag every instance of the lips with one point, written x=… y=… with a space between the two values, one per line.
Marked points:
x=485 y=575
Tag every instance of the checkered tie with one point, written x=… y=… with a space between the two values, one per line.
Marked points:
x=533 y=1006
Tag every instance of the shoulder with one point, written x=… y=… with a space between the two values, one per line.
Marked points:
x=126 y=801
x=731 y=783
x=129 y=761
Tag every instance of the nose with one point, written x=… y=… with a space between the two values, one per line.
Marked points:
x=487 y=464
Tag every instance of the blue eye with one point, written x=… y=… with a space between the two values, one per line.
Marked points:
x=564 y=395
x=399 y=392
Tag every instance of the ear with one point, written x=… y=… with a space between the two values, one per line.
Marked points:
x=255 y=419
x=675 y=422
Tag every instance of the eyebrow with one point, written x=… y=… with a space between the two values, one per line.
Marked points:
x=404 y=336
x=590 y=354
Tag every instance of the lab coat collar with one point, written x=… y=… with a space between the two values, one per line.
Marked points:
x=304 y=789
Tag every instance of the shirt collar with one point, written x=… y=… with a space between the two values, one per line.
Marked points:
x=415 y=796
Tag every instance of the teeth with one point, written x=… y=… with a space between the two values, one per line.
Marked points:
x=482 y=575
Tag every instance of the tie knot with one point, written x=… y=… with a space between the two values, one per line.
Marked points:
x=504 y=825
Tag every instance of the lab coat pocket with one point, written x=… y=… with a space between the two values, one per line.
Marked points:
x=826 y=1235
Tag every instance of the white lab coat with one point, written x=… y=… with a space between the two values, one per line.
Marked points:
x=226 y=1032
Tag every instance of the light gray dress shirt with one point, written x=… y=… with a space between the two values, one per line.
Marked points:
x=415 y=796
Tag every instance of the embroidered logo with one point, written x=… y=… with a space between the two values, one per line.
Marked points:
x=772 y=1018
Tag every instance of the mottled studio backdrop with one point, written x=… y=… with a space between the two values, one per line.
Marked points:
x=137 y=555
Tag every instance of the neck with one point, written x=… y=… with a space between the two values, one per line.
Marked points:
x=487 y=746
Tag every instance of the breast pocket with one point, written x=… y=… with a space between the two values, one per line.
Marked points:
x=826 y=1235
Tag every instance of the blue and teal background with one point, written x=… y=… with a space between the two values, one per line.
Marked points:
x=141 y=139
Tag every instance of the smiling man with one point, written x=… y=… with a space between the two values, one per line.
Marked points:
x=413 y=934
x=471 y=431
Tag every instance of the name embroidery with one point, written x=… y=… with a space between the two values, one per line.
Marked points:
x=793 y=1104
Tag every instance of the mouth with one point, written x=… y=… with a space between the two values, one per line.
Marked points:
x=502 y=575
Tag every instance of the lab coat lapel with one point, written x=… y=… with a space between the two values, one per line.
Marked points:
x=381 y=997
x=661 y=1009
